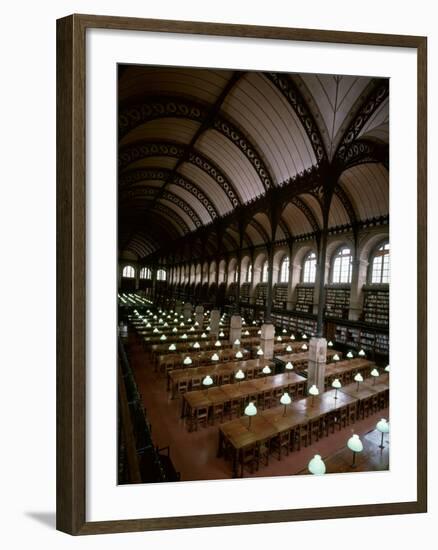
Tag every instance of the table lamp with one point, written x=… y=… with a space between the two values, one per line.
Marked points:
x=207 y=382
x=203 y=335
x=349 y=355
x=189 y=320
x=336 y=357
x=289 y=367
x=313 y=390
x=246 y=333
x=330 y=345
x=196 y=345
x=221 y=334
x=174 y=329
x=337 y=385
x=355 y=445
x=196 y=324
x=217 y=344
x=187 y=361
x=260 y=352
x=361 y=353
x=304 y=336
x=172 y=347
x=163 y=337
x=374 y=373
x=285 y=400
x=284 y=331
x=184 y=336
x=316 y=466
x=250 y=411
x=266 y=371
x=236 y=342
x=215 y=357
x=292 y=336
x=304 y=347
x=239 y=355
x=192 y=329
x=358 y=378
x=259 y=332
x=289 y=348
x=383 y=427
x=239 y=376
x=279 y=339
x=155 y=331
x=208 y=328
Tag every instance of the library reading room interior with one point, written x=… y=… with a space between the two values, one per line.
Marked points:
x=253 y=274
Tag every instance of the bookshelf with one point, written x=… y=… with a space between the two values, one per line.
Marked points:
x=376 y=305
x=260 y=295
x=244 y=292
x=304 y=299
x=280 y=296
x=337 y=302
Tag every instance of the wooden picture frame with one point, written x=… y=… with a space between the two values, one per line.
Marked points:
x=71 y=274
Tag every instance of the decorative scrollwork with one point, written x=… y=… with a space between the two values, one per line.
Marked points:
x=297 y=102
x=363 y=151
x=374 y=100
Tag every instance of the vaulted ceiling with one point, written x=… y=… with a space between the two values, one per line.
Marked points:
x=197 y=145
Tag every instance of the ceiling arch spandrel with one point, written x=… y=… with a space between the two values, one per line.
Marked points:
x=233 y=163
x=333 y=100
x=184 y=216
x=191 y=82
x=377 y=127
x=296 y=221
x=368 y=187
x=162 y=129
x=262 y=112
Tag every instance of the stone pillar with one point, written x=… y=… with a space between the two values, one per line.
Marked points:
x=267 y=340
x=358 y=279
x=294 y=280
x=317 y=361
x=215 y=317
x=187 y=311
x=199 y=315
x=235 y=328
x=270 y=289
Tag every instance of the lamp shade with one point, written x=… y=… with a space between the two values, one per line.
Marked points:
x=336 y=384
x=160 y=321
x=254 y=323
x=284 y=331
x=259 y=332
x=192 y=329
x=196 y=345
x=155 y=330
x=292 y=336
x=187 y=361
x=289 y=366
x=349 y=355
x=250 y=409
x=246 y=333
x=148 y=325
x=203 y=335
x=172 y=347
x=239 y=355
x=387 y=368
x=304 y=347
x=240 y=375
x=374 y=373
x=336 y=357
x=285 y=399
x=174 y=329
x=313 y=390
x=181 y=324
x=383 y=426
x=260 y=352
x=221 y=334
x=236 y=342
x=189 y=320
x=215 y=357
x=184 y=336
x=208 y=328
x=217 y=344
x=279 y=338
x=355 y=444
x=289 y=348
x=358 y=377
x=207 y=381
x=330 y=345
x=316 y=466
x=166 y=325
x=196 y=324
x=163 y=337
x=361 y=353
x=304 y=336
x=266 y=370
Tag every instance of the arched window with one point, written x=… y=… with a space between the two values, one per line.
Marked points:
x=341 y=272
x=161 y=275
x=265 y=272
x=380 y=265
x=249 y=273
x=128 y=272
x=284 y=270
x=145 y=273
x=309 y=268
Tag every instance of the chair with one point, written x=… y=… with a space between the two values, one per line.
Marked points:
x=201 y=417
x=263 y=451
x=196 y=384
x=265 y=399
x=248 y=459
x=217 y=412
x=183 y=386
x=315 y=430
x=351 y=413
x=234 y=408
x=281 y=442
x=301 y=435
x=225 y=379
x=328 y=423
x=340 y=418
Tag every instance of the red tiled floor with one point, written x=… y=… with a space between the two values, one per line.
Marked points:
x=194 y=454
